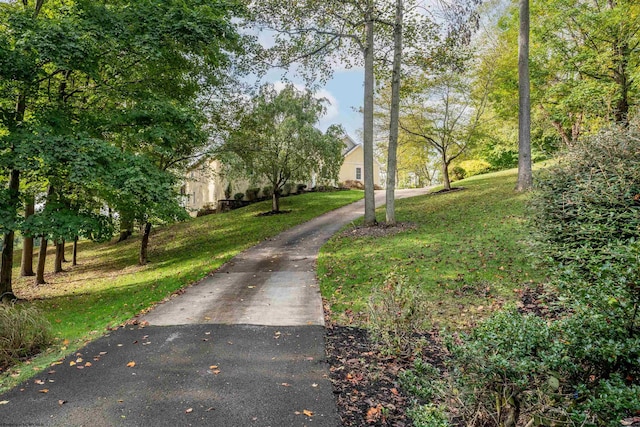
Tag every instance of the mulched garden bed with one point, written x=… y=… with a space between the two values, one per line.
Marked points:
x=365 y=382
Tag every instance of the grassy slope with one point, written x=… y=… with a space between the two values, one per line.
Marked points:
x=467 y=253
x=107 y=287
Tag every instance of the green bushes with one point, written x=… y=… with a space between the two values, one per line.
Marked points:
x=24 y=331
x=238 y=196
x=587 y=208
x=252 y=194
x=580 y=367
x=468 y=168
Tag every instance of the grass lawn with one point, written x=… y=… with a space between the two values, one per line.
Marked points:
x=107 y=287
x=467 y=252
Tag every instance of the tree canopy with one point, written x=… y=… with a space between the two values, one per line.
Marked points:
x=277 y=142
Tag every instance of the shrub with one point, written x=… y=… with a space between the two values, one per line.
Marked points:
x=474 y=167
x=267 y=192
x=353 y=184
x=428 y=415
x=300 y=187
x=422 y=382
x=252 y=194
x=24 y=331
x=586 y=210
x=286 y=189
x=397 y=313
x=515 y=369
x=238 y=196
x=457 y=173
x=227 y=192
x=205 y=210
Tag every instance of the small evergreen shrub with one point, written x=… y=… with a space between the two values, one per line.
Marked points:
x=458 y=173
x=428 y=415
x=227 y=192
x=24 y=331
x=286 y=189
x=252 y=194
x=267 y=192
x=238 y=196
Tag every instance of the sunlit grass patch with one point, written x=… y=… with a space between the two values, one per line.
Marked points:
x=467 y=253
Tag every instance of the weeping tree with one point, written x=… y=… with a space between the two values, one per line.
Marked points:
x=276 y=141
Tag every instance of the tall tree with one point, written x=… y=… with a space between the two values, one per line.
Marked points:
x=444 y=115
x=277 y=142
x=525 y=174
x=392 y=149
x=317 y=33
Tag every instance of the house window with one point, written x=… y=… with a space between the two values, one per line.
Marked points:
x=358 y=173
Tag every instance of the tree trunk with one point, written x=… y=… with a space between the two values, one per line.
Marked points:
x=42 y=258
x=525 y=174
x=142 y=260
x=446 y=181
x=26 y=264
x=622 y=105
x=126 y=227
x=64 y=257
x=367 y=126
x=59 y=256
x=74 y=259
x=275 y=201
x=6 y=266
x=392 y=154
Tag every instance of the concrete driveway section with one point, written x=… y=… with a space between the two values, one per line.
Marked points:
x=243 y=348
x=273 y=283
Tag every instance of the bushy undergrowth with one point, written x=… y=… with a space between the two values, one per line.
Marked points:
x=397 y=316
x=23 y=332
x=580 y=367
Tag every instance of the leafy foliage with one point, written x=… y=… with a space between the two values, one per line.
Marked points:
x=277 y=142
x=586 y=211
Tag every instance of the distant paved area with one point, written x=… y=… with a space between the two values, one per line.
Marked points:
x=244 y=347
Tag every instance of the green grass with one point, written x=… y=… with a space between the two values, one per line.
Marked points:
x=107 y=287
x=467 y=252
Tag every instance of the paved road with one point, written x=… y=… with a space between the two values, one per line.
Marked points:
x=244 y=347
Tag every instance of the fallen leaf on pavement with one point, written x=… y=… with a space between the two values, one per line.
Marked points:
x=307 y=413
x=39 y=382
x=285 y=385
x=131 y=364
x=3 y=402
x=188 y=411
x=61 y=402
x=44 y=390
x=213 y=367
x=72 y=363
x=88 y=364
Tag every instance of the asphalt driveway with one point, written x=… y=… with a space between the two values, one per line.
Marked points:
x=244 y=347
